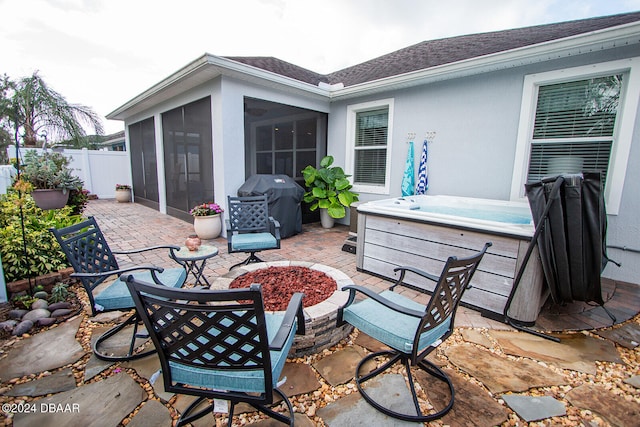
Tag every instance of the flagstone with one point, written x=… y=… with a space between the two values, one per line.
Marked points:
x=634 y=381
x=94 y=366
x=119 y=343
x=353 y=411
x=300 y=379
x=577 y=352
x=339 y=367
x=501 y=374
x=534 y=408
x=149 y=368
x=103 y=403
x=44 y=351
x=62 y=380
x=152 y=414
x=371 y=344
x=627 y=335
x=472 y=407
x=617 y=411
x=300 y=420
x=476 y=337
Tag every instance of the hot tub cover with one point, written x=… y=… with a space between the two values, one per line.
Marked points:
x=572 y=244
x=283 y=195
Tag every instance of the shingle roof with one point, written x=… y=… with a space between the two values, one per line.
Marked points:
x=281 y=67
x=433 y=53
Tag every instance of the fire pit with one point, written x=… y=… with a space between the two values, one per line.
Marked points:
x=320 y=318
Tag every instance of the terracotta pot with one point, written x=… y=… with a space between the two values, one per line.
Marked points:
x=50 y=198
x=207 y=227
x=123 y=196
x=193 y=242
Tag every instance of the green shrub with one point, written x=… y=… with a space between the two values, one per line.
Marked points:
x=44 y=255
x=59 y=292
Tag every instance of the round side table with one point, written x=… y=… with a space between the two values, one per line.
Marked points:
x=194 y=262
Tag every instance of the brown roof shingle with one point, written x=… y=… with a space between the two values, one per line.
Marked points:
x=433 y=53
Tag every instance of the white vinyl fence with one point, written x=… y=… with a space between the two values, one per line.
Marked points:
x=100 y=170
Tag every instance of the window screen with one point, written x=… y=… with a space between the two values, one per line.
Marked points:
x=574 y=127
x=371 y=147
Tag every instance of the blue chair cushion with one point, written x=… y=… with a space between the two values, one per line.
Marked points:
x=253 y=241
x=116 y=296
x=249 y=381
x=395 y=329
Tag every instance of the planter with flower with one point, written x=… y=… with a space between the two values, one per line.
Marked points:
x=206 y=220
x=123 y=193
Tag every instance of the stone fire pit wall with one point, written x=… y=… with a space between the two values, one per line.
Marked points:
x=320 y=319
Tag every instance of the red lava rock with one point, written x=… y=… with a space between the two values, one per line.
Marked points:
x=279 y=283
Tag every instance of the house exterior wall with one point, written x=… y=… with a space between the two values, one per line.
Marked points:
x=476 y=119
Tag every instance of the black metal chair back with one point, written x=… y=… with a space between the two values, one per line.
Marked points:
x=214 y=344
x=87 y=251
x=423 y=328
x=250 y=229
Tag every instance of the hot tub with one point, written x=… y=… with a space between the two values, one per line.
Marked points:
x=423 y=231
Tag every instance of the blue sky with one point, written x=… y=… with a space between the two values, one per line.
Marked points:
x=102 y=53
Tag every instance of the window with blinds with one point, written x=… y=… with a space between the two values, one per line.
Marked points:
x=370 y=159
x=574 y=127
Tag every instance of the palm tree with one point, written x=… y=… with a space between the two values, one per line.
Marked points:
x=39 y=109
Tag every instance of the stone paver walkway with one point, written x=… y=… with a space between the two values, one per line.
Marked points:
x=486 y=360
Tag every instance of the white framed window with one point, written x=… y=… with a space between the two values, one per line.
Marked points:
x=369 y=130
x=578 y=119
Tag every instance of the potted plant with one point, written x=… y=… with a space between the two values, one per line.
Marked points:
x=49 y=178
x=206 y=220
x=123 y=193
x=328 y=189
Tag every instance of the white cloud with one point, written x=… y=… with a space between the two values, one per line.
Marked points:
x=102 y=53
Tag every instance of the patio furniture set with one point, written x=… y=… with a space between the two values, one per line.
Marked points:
x=222 y=344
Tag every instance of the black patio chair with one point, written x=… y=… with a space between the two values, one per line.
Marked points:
x=410 y=329
x=95 y=265
x=219 y=344
x=250 y=229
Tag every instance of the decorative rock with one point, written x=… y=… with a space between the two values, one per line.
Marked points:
x=39 y=303
x=17 y=313
x=60 y=312
x=41 y=295
x=58 y=305
x=36 y=314
x=46 y=321
x=22 y=328
x=8 y=325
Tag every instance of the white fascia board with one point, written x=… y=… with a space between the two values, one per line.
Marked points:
x=575 y=45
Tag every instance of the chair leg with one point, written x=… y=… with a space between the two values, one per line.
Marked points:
x=251 y=258
x=277 y=415
x=132 y=320
x=397 y=357
x=187 y=417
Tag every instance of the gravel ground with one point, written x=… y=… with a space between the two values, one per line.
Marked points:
x=609 y=375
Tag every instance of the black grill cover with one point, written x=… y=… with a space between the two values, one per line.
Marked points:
x=283 y=195
x=572 y=244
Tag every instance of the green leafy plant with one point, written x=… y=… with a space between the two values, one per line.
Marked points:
x=78 y=200
x=49 y=170
x=44 y=255
x=23 y=301
x=329 y=188
x=59 y=292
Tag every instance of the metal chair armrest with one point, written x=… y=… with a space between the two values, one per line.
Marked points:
x=118 y=272
x=274 y=225
x=294 y=309
x=379 y=299
x=150 y=248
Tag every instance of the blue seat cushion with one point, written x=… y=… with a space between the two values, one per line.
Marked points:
x=249 y=381
x=394 y=329
x=116 y=296
x=253 y=241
